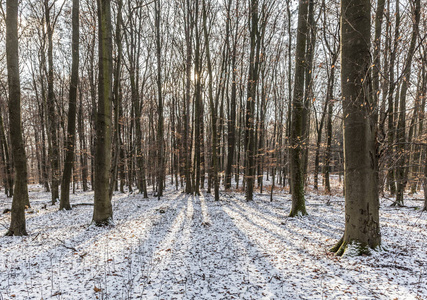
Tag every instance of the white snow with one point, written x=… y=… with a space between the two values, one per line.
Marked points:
x=189 y=247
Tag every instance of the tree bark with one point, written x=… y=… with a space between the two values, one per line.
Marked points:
x=401 y=174
x=213 y=108
x=8 y=180
x=20 y=195
x=160 y=125
x=231 y=143
x=297 y=125
x=71 y=137
x=391 y=89
x=103 y=212
x=52 y=120
x=117 y=101
x=362 y=229
x=187 y=143
x=250 y=101
x=83 y=147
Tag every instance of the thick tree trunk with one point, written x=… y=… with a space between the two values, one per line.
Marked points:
x=362 y=229
x=71 y=137
x=103 y=212
x=20 y=195
x=297 y=124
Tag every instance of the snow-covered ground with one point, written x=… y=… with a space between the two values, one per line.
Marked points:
x=187 y=247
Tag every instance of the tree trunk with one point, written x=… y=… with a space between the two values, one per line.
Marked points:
x=198 y=130
x=251 y=100
x=20 y=195
x=8 y=180
x=187 y=143
x=71 y=137
x=160 y=125
x=318 y=143
x=103 y=212
x=287 y=156
x=53 y=133
x=401 y=174
x=297 y=125
x=213 y=108
x=308 y=91
x=117 y=102
x=232 y=109
x=362 y=228
x=83 y=147
x=379 y=14
x=391 y=89
x=330 y=103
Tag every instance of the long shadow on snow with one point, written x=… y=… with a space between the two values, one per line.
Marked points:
x=52 y=253
x=328 y=231
x=316 y=262
x=155 y=254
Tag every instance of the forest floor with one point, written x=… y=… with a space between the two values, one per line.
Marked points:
x=188 y=247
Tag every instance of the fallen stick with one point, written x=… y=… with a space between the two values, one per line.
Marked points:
x=82 y=204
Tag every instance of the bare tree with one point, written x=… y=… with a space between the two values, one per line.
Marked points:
x=103 y=212
x=362 y=228
x=72 y=111
x=20 y=195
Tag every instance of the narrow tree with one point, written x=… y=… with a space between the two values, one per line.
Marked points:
x=401 y=173
x=20 y=195
x=160 y=125
x=7 y=163
x=52 y=113
x=103 y=212
x=391 y=89
x=186 y=108
x=213 y=103
x=232 y=107
x=72 y=111
x=117 y=142
x=250 y=101
x=361 y=187
x=198 y=103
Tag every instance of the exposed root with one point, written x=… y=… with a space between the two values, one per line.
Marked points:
x=11 y=232
x=353 y=248
x=337 y=246
x=103 y=223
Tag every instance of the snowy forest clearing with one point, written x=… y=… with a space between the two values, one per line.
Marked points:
x=187 y=247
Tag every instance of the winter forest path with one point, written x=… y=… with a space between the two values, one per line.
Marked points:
x=191 y=247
